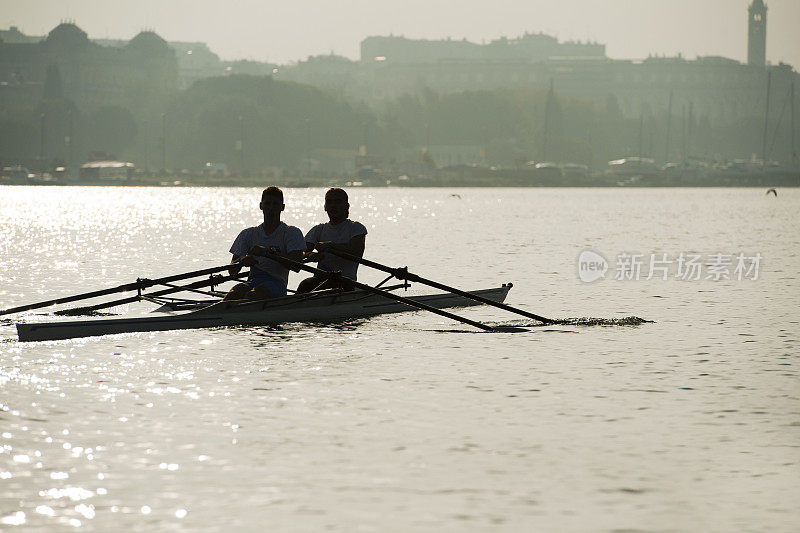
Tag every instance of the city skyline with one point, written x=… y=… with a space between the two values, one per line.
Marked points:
x=283 y=32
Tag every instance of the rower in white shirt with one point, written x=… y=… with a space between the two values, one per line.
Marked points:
x=339 y=233
x=267 y=278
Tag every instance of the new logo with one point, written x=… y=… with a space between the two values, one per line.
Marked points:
x=591 y=266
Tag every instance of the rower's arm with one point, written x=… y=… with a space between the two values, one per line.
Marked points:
x=354 y=247
x=238 y=261
x=258 y=250
x=309 y=254
x=357 y=245
x=295 y=255
x=235 y=267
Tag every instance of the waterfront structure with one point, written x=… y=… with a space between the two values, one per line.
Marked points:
x=677 y=101
x=719 y=88
x=679 y=94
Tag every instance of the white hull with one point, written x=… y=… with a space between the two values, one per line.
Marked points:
x=325 y=306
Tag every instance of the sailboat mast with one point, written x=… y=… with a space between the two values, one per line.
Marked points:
x=641 y=131
x=794 y=153
x=547 y=104
x=766 y=122
x=669 y=126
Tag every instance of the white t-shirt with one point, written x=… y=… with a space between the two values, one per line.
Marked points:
x=283 y=240
x=339 y=234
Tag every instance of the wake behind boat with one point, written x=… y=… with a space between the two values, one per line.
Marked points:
x=323 y=306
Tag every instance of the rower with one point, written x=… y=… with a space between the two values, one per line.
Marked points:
x=340 y=234
x=267 y=278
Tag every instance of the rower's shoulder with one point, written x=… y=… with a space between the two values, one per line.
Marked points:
x=293 y=232
x=288 y=227
x=248 y=231
x=317 y=228
x=357 y=228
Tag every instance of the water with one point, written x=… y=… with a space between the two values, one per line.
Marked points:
x=411 y=421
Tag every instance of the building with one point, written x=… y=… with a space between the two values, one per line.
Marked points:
x=719 y=89
x=528 y=47
x=14 y=35
x=195 y=60
x=89 y=74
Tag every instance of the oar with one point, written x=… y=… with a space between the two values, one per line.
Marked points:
x=408 y=301
x=113 y=303
x=403 y=273
x=139 y=284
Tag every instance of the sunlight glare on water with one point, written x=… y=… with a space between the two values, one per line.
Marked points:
x=410 y=421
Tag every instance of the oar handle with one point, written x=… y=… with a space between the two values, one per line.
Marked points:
x=408 y=301
x=403 y=273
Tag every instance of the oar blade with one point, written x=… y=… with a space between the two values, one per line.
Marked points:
x=508 y=329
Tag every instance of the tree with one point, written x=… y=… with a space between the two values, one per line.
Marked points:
x=282 y=123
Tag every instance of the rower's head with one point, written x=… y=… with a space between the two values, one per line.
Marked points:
x=272 y=201
x=336 y=204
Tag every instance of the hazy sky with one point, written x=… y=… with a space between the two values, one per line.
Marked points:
x=283 y=31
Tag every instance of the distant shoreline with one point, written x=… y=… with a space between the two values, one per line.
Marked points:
x=464 y=176
x=289 y=183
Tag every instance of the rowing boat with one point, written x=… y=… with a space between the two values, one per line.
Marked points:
x=322 y=306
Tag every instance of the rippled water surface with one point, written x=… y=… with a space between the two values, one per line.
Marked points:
x=411 y=421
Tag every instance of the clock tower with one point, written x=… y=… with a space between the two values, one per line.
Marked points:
x=757 y=34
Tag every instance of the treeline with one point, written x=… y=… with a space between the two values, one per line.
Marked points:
x=249 y=123
x=259 y=122
x=513 y=126
x=236 y=120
